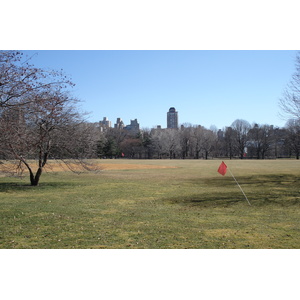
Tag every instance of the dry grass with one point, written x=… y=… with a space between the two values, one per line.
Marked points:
x=155 y=204
x=117 y=165
x=92 y=165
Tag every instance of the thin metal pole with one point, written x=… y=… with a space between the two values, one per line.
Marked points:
x=239 y=186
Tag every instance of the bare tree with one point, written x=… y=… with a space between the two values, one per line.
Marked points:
x=170 y=142
x=185 y=139
x=147 y=143
x=241 y=128
x=289 y=103
x=230 y=141
x=131 y=146
x=293 y=129
x=208 y=142
x=19 y=78
x=45 y=126
x=260 y=139
x=156 y=138
x=198 y=140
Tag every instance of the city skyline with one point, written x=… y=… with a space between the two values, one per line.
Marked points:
x=172 y=121
x=207 y=87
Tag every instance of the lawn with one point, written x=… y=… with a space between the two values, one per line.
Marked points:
x=155 y=204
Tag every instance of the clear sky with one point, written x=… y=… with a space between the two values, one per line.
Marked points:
x=206 y=87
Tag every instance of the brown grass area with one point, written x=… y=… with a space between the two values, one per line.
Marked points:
x=56 y=166
x=96 y=166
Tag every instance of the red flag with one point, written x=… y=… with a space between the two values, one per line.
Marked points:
x=222 y=168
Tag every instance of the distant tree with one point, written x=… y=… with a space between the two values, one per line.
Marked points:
x=100 y=143
x=118 y=135
x=208 y=142
x=261 y=138
x=185 y=136
x=241 y=128
x=290 y=101
x=198 y=140
x=157 y=142
x=147 y=143
x=110 y=148
x=220 y=146
x=170 y=142
x=230 y=142
x=131 y=146
x=293 y=130
x=281 y=144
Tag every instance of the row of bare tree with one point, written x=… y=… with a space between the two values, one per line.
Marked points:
x=240 y=140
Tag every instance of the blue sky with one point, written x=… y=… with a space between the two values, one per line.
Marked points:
x=206 y=87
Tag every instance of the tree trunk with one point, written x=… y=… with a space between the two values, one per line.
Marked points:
x=258 y=153
x=34 y=180
x=206 y=155
x=242 y=154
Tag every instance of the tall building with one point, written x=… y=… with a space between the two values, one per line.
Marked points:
x=134 y=126
x=119 y=124
x=105 y=124
x=172 y=118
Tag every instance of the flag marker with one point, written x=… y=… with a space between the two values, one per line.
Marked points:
x=223 y=169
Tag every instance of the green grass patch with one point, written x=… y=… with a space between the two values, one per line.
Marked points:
x=190 y=206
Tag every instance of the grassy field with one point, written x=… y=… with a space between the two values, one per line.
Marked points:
x=155 y=204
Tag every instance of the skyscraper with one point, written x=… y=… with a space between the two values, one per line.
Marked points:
x=172 y=118
x=105 y=124
x=119 y=124
x=134 y=126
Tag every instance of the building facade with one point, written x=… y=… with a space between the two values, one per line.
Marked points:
x=119 y=124
x=172 y=118
x=105 y=124
x=134 y=126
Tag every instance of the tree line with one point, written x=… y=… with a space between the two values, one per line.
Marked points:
x=40 y=120
x=240 y=140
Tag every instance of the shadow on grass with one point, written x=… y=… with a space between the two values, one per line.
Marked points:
x=232 y=199
x=255 y=180
x=15 y=187
x=208 y=200
x=281 y=190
